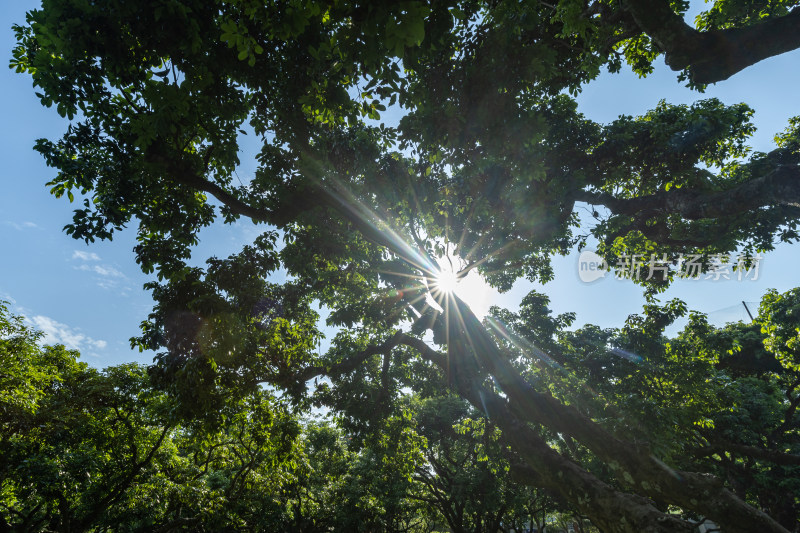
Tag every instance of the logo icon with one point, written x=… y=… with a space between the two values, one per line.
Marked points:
x=591 y=266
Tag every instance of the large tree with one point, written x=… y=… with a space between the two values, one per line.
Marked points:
x=88 y=450
x=486 y=165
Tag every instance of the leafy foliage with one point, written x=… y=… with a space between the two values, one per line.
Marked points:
x=489 y=161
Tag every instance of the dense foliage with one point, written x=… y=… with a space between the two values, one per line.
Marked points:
x=88 y=450
x=487 y=164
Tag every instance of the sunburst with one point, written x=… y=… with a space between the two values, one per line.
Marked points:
x=469 y=287
x=447 y=280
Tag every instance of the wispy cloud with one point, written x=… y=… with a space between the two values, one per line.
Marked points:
x=57 y=333
x=85 y=256
x=108 y=276
x=21 y=226
x=7 y=298
x=103 y=270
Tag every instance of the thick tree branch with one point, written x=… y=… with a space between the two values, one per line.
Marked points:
x=781 y=187
x=773 y=456
x=546 y=467
x=646 y=473
x=788 y=417
x=712 y=56
x=185 y=174
x=316 y=193
x=351 y=363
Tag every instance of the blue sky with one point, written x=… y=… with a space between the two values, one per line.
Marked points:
x=90 y=297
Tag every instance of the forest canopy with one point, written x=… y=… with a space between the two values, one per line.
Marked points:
x=485 y=170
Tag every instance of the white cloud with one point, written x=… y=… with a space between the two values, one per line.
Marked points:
x=109 y=277
x=57 y=333
x=85 y=256
x=20 y=226
x=108 y=271
x=99 y=344
x=103 y=270
x=7 y=297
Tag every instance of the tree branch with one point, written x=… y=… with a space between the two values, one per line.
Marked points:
x=646 y=473
x=781 y=187
x=773 y=456
x=716 y=55
x=351 y=363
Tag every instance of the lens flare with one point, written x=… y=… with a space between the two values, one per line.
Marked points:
x=469 y=287
x=447 y=280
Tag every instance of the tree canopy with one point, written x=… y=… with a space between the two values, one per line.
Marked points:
x=486 y=168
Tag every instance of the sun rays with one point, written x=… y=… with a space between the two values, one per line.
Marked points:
x=446 y=281
x=451 y=280
x=438 y=267
x=433 y=285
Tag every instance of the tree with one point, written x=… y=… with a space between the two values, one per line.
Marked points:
x=463 y=476
x=74 y=441
x=89 y=450
x=486 y=164
x=712 y=399
x=344 y=485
